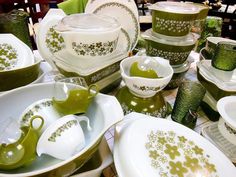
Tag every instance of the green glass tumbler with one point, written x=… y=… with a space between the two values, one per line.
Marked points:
x=189 y=97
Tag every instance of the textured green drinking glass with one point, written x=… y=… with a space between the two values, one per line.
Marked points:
x=189 y=97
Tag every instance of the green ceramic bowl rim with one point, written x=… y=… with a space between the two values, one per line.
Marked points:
x=36 y=62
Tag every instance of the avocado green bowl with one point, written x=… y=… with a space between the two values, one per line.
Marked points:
x=19 y=77
x=176 y=52
x=173 y=18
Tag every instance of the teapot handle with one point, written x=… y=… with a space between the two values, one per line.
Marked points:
x=93 y=90
x=84 y=118
x=41 y=124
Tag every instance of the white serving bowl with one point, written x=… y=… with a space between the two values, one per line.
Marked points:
x=146 y=87
x=89 y=35
x=104 y=111
x=227 y=124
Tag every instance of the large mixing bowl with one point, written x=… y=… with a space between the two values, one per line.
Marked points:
x=103 y=112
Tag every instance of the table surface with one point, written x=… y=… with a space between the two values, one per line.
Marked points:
x=170 y=97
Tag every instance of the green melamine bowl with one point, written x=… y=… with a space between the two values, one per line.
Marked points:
x=23 y=151
x=19 y=77
x=103 y=112
x=176 y=51
x=154 y=106
x=173 y=18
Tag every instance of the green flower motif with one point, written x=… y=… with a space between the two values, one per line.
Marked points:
x=55 y=35
x=153 y=154
x=3 y=52
x=182 y=139
x=210 y=167
x=162 y=140
x=172 y=151
x=54 y=43
x=192 y=163
x=99 y=44
x=177 y=169
x=12 y=55
x=198 y=150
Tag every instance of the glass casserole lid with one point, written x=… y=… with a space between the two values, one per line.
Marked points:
x=87 y=22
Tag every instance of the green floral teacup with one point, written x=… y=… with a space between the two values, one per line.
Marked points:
x=63 y=138
x=23 y=151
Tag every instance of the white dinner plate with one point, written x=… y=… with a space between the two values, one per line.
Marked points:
x=47 y=39
x=125 y=13
x=146 y=146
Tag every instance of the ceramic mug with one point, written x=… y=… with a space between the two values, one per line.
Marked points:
x=63 y=138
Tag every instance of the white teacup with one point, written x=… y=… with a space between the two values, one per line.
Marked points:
x=63 y=138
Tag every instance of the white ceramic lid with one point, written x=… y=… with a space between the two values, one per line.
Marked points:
x=175 y=7
x=149 y=147
x=14 y=53
x=190 y=39
x=226 y=107
x=225 y=80
x=87 y=22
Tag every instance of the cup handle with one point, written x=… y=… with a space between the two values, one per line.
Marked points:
x=41 y=124
x=93 y=90
x=84 y=118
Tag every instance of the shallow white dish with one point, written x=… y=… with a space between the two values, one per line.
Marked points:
x=148 y=146
x=47 y=39
x=121 y=10
x=99 y=113
x=14 y=52
x=85 y=67
x=225 y=80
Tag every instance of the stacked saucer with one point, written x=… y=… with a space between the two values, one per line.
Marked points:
x=170 y=36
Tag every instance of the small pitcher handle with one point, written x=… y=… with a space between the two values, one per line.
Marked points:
x=93 y=90
x=41 y=124
x=84 y=118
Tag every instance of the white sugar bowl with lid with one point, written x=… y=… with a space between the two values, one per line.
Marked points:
x=89 y=35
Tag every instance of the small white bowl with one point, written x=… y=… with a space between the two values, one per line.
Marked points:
x=63 y=138
x=227 y=124
x=146 y=87
x=89 y=35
